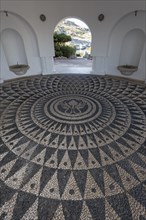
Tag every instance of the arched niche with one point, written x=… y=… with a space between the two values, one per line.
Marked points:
x=126 y=24
x=132 y=47
x=19 y=24
x=13 y=47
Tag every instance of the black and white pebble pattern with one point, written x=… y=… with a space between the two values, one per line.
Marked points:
x=73 y=147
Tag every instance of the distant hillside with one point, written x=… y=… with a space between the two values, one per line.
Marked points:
x=80 y=35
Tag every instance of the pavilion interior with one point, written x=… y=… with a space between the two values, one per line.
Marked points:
x=73 y=145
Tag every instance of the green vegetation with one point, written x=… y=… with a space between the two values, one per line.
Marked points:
x=61 y=49
x=61 y=38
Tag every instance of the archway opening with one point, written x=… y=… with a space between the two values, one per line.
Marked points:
x=72 y=47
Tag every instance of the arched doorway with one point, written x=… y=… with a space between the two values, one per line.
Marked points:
x=72 y=47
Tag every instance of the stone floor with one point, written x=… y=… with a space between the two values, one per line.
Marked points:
x=73 y=147
x=78 y=65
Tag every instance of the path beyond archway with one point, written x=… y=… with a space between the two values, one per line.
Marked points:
x=78 y=65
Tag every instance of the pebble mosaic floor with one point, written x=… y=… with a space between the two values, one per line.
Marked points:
x=73 y=147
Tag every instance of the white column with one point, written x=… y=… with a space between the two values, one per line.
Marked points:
x=99 y=65
x=47 y=64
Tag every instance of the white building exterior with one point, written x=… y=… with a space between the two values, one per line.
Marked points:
x=118 y=39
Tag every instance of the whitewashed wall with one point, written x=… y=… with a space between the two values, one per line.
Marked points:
x=107 y=36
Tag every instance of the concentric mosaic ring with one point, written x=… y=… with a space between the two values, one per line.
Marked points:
x=72 y=109
x=73 y=147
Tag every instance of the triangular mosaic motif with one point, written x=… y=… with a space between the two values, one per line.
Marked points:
x=73 y=147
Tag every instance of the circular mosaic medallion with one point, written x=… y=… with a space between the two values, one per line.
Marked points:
x=72 y=109
x=73 y=147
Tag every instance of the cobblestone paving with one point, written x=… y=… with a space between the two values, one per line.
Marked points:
x=73 y=147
